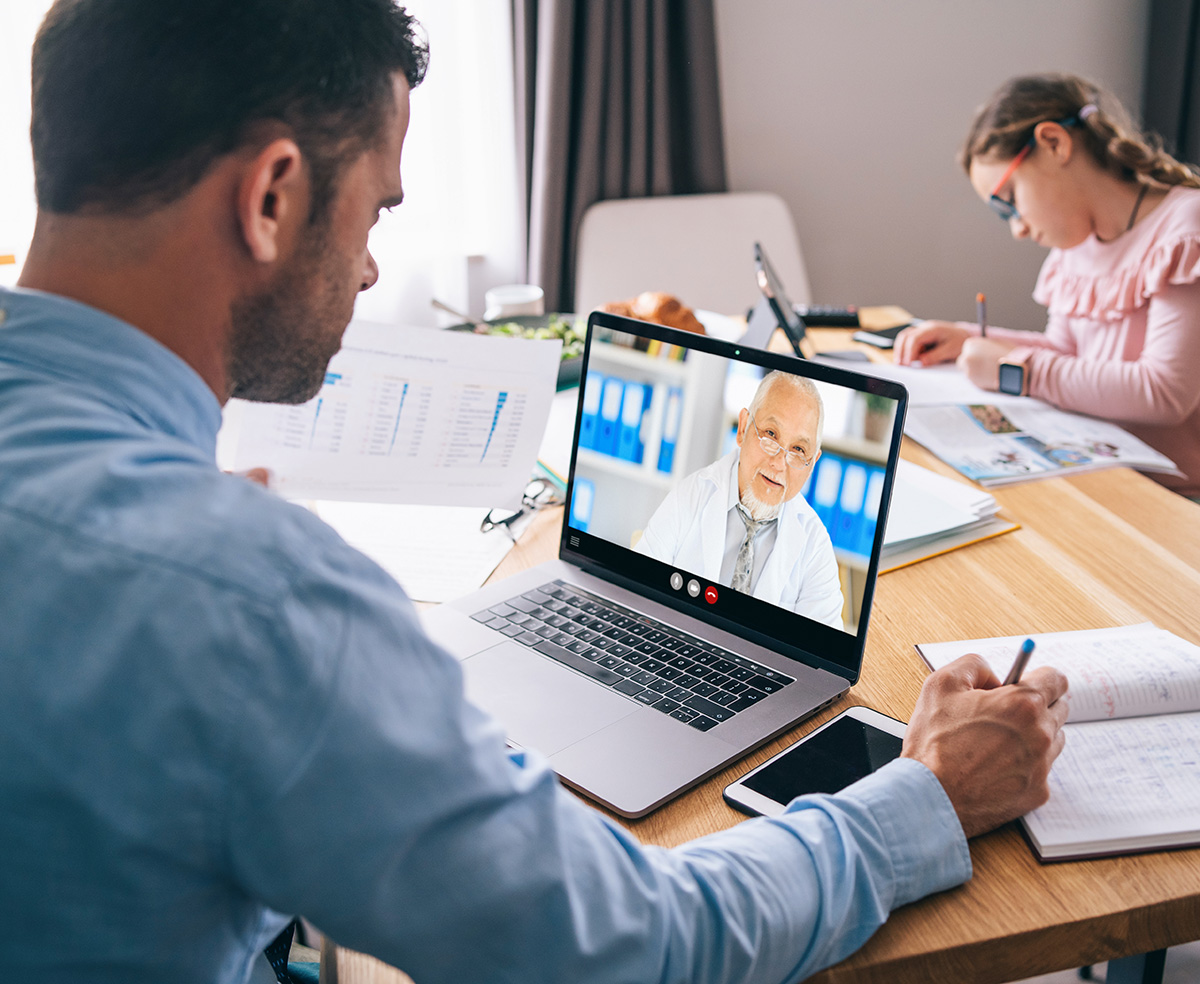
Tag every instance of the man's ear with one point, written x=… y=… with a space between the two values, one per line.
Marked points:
x=272 y=196
x=743 y=420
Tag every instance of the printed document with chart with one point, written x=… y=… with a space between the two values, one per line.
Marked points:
x=1128 y=778
x=410 y=415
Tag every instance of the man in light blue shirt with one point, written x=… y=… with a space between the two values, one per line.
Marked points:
x=212 y=710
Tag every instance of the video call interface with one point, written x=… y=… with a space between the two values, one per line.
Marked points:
x=741 y=478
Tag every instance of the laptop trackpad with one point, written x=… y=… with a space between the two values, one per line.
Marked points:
x=542 y=705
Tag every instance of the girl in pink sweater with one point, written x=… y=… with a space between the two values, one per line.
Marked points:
x=1057 y=158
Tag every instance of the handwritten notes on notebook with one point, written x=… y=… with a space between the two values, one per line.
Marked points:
x=1120 y=787
x=1115 y=673
x=1128 y=778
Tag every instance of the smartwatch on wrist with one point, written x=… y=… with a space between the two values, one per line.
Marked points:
x=1014 y=378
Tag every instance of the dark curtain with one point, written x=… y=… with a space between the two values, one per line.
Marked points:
x=1171 y=99
x=615 y=99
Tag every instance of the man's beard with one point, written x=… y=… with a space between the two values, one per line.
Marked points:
x=283 y=338
x=758 y=509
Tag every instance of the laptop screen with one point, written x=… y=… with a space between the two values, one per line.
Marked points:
x=744 y=487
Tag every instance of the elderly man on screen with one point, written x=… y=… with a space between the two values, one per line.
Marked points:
x=741 y=520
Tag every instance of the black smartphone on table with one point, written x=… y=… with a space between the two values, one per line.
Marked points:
x=851 y=746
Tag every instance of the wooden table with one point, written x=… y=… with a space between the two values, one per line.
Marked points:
x=1103 y=549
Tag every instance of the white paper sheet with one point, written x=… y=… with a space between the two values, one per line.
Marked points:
x=927 y=385
x=437 y=553
x=555 y=449
x=410 y=416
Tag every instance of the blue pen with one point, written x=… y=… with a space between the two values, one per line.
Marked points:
x=1018 y=667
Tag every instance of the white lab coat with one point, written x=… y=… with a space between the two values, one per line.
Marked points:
x=688 y=531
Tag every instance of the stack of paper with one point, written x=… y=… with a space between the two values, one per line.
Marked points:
x=931 y=514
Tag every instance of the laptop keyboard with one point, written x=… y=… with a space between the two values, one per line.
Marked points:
x=650 y=662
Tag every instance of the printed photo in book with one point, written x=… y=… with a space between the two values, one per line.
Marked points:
x=1015 y=440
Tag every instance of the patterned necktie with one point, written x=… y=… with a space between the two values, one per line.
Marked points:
x=744 y=565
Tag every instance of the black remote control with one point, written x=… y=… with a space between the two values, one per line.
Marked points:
x=826 y=316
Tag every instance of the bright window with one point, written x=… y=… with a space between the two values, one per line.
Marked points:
x=19 y=20
x=459 y=230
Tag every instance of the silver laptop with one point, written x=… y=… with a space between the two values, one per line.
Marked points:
x=630 y=661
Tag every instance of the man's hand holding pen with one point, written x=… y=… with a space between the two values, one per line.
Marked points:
x=990 y=745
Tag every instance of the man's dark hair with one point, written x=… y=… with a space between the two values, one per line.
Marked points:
x=133 y=100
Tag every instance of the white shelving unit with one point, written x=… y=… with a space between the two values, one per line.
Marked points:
x=626 y=494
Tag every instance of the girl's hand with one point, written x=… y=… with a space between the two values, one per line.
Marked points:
x=980 y=361
x=929 y=342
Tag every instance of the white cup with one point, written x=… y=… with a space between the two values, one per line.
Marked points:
x=513 y=299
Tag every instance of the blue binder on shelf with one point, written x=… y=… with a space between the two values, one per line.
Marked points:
x=672 y=416
x=871 y=510
x=609 y=419
x=847 y=532
x=590 y=414
x=582 y=496
x=825 y=488
x=633 y=411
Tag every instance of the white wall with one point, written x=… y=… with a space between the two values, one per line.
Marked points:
x=854 y=110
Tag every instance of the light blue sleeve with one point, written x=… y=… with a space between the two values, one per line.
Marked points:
x=366 y=794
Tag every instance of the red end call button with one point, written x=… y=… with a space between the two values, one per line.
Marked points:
x=710 y=595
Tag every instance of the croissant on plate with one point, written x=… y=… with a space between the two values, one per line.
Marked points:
x=660 y=308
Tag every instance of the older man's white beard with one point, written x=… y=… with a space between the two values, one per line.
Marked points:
x=758 y=509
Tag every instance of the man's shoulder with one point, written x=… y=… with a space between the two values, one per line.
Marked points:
x=807 y=527
x=228 y=530
x=713 y=475
x=150 y=501
x=800 y=511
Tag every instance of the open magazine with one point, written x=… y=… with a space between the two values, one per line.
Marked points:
x=1000 y=442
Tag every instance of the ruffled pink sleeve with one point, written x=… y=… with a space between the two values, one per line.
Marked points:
x=1111 y=297
x=1117 y=370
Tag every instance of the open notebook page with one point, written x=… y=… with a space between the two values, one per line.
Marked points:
x=1122 y=786
x=1129 y=671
